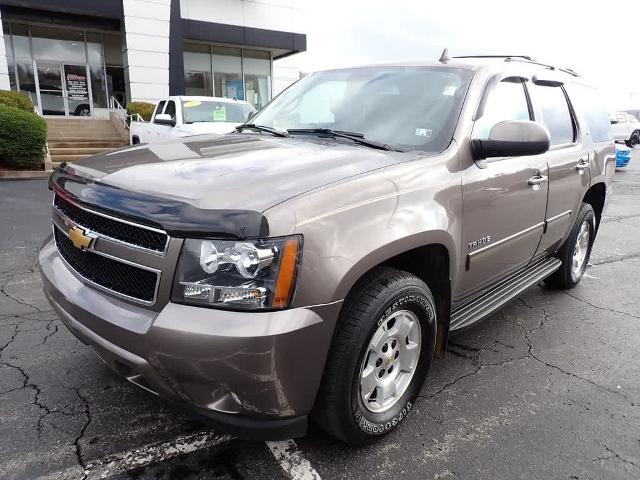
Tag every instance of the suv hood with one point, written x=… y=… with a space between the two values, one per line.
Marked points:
x=234 y=171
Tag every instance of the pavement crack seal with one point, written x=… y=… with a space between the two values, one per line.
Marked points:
x=123 y=462
x=598 y=307
x=13 y=337
x=615 y=455
x=76 y=442
x=290 y=459
x=619 y=258
x=14 y=298
x=532 y=354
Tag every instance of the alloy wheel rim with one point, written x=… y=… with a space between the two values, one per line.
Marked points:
x=580 y=251
x=390 y=361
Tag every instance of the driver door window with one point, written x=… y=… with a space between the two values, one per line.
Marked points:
x=507 y=101
x=170 y=109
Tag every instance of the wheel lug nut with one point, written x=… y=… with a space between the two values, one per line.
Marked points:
x=393 y=344
x=397 y=354
x=378 y=362
x=385 y=347
x=381 y=373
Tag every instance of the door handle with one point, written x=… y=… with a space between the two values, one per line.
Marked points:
x=537 y=180
x=583 y=164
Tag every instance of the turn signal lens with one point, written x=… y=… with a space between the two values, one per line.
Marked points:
x=286 y=275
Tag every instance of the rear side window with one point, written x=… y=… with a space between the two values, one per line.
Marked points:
x=586 y=101
x=507 y=101
x=555 y=113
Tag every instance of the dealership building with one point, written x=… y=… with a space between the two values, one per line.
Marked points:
x=75 y=57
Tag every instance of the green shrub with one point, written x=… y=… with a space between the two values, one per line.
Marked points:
x=143 y=108
x=16 y=99
x=23 y=137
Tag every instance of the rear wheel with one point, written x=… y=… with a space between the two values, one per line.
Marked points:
x=634 y=140
x=576 y=251
x=382 y=351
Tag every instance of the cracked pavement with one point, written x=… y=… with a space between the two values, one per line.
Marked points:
x=547 y=387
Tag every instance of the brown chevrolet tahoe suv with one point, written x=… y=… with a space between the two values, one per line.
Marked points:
x=311 y=264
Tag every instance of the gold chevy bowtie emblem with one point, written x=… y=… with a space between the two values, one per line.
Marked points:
x=79 y=238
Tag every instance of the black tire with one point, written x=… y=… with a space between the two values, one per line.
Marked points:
x=83 y=110
x=633 y=140
x=340 y=409
x=135 y=140
x=566 y=277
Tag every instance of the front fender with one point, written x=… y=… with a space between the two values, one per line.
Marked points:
x=353 y=226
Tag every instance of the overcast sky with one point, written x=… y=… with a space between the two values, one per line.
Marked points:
x=598 y=39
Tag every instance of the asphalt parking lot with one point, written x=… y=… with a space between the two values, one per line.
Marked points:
x=548 y=387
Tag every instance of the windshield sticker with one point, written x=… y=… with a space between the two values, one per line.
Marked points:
x=424 y=132
x=220 y=114
x=450 y=90
x=192 y=103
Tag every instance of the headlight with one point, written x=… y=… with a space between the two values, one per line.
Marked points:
x=252 y=274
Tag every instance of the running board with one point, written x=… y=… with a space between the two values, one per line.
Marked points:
x=470 y=312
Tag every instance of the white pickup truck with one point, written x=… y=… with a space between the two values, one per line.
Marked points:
x=181 y=116
x=625 y=128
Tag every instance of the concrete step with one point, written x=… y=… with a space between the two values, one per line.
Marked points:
x=67 y=158
x=87 y=144
x=77 y=151
x=84 y=138
x=75 y=121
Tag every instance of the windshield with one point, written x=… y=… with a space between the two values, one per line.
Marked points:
x=410 y=108
x=211 y=111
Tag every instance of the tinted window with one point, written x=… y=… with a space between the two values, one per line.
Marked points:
x=160 y=107
x=171 y=109
x=507 y=101
x=587 y=103
x=556 y=115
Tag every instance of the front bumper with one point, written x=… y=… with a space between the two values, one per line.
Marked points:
x=255 y=375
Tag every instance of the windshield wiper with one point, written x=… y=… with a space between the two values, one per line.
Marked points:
x=355 y=136
x=261 y=128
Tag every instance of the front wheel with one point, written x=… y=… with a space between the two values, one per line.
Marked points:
x=634 y=140
x=576 y=251
x=381 y=353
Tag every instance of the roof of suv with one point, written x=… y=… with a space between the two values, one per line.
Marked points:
x=475 y=63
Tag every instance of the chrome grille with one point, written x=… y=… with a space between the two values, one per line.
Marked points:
x=138 y=236
x=125 y=279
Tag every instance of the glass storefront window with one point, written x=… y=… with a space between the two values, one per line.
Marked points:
x=27 y=83
x=98 y=86
x=20 y=36
x=257 y=77
x=9 y=54
x=112 y=49
x=227 y=72
x=58 y=44
x=197 y=70
x=94 y=48
x=12 y=75
x=243 y=74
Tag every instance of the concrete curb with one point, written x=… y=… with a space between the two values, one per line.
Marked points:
x=23 y=174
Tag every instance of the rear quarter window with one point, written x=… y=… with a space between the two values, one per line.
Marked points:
x=586 y=101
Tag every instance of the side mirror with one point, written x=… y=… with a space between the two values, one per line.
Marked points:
x=512 y=138
x=164 y=119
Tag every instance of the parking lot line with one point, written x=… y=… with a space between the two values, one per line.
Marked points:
x=291 y=460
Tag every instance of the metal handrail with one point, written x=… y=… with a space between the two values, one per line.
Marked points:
x=126 y=117
x=115 y=105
